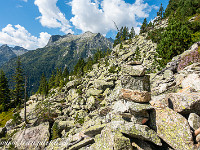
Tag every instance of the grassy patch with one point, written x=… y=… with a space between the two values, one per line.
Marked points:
x=5 y=116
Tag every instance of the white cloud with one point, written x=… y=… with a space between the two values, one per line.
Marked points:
x=19 y=36
x=25 y=0
x=99 y=16
x=51 y=16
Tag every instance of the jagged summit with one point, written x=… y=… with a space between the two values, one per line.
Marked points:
x=58 y=39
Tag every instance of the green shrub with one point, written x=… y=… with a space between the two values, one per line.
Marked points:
x=112 y=69
x=55 y=132
x=79 y=91
x=79 y=119
x=5 y=116
x=16 y=119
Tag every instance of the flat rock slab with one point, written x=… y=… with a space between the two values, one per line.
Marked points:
x=81 y=144
x=142 y=132
x=138 y=107
x=135 y=95
x=174 y=129
x=136 y=83
x=184 y=103
x=192 y=81
x=32 y=138
x=129 y=106
x=94 y=130
x=137 y=70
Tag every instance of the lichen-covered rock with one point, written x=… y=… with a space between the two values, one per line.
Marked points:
x=138 y=107
x=58 y=144
x=119 y=107
x=184 y=103
x=193 y=81
x=30 y=112
x=93 y=92
x=90 y=103
x=135 y=95
x=167 y=74
x=142 y=145
x=126 y=56
x=32 y=138
x=198 y=138
x=137 y=70
x=141 y=132
x=104 y=111
x=173 y=129
x=158 y=101
x=72 y=84
x=109 y=140
x=82 y=144
x=136 y=83
x=72 y=94
x=94 y=130
x=102 y=84
x=194 y=121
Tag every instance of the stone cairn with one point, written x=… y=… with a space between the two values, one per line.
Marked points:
x=136 y=92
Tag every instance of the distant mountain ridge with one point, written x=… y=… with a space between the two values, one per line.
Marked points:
x=60 y=52
x=7 y=53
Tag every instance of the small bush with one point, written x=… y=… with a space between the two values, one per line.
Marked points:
x=5 y=116
x=16 y=119
x=79 y=91
x=55 y=132
x=79 y=119
x=112 y=69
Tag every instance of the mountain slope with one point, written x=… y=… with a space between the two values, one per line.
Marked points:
x=60 y=51
x=7 y=53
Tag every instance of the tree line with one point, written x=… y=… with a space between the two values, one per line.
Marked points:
x=11 y=98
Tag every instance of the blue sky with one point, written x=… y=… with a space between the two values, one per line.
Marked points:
x=30 y=23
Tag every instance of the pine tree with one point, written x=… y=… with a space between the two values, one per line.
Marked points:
x=144 y=26
x=78 y=69
x=43 y=88
x=117 y=39
x=4 y=91
x=65 y=73
x=132 y=33
x=137 y=54
x=52 y=80
x=19 y=83
x=125 y=34
x=160 y=13
x=58 y=77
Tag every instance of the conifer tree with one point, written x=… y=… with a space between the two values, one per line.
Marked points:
x=125 y=34
x=78 y=69
x=43 y=88
x=58 y=77
x=65 y=73
x=52 y=81
x=4 y=91
x=160 y=13
x=137 y=54
x=132 y=33
x=19 y=83
x=144 y=26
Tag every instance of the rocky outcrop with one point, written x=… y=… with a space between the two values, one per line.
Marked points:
x=32 y=138
x=173 y=129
